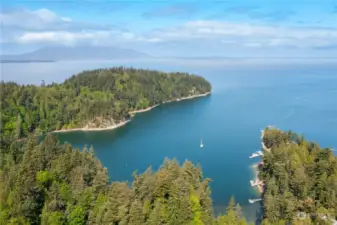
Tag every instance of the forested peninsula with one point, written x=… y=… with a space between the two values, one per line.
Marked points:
x=300 y=180
x=101 y=98
x=49 y=183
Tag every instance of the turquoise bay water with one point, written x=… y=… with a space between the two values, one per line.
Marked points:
x=229 y=121
x=246 y=98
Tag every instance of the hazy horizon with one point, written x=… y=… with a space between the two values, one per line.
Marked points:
x=34 y=73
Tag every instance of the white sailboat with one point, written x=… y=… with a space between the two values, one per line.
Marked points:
x=201 y=144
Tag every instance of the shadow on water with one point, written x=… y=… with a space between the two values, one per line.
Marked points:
x=259 y=214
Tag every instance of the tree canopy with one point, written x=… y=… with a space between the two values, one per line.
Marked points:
x=97 y=98
x=300 y=180
x=50 y=183
x=45 y=182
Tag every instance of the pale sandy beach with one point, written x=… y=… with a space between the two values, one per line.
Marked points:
x=131 y=113
x=176 y=100
x=189 y=97
x=143 y=110
x=93 y=129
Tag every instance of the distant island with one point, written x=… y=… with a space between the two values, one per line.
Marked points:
x=63 y=53
x=91 y=100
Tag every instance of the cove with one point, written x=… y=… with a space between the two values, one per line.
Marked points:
x=229 y=121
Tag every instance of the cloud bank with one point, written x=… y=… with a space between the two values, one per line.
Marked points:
x=249 y=35
x=43 y=27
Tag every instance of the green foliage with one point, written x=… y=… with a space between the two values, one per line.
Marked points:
x=55 y=184
x=233 y=215
x=136 y=214
x=49 y=183
x=77 y=216
x=95 y=98
x=196 y=210
x=53 y=218
x=44 y=177
x=231 y=204
x=300 y=180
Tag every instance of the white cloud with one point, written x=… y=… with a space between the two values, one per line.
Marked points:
x=73 y=38
x=57 y=37
x=249 y=35
x=42 y=26
x=33 y=20
x=45 y=15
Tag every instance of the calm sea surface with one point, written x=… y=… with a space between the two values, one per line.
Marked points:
x=302 y=98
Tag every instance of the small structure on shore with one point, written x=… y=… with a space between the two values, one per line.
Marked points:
x=256 y=183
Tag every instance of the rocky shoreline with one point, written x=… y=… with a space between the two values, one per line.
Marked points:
x=132 y=113
x=260 y=185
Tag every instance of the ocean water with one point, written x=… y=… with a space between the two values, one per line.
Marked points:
x=245 y=99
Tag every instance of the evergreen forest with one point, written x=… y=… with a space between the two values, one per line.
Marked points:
x=99 y=98
x=49 y=183
x=300 y=180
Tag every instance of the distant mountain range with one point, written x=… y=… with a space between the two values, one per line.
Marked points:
x=49 y=54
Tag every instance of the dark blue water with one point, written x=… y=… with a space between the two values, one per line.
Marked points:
x=229 y=121
x=302 y=98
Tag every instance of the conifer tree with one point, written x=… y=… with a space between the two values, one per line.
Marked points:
x=18 y=130
x=136 y=214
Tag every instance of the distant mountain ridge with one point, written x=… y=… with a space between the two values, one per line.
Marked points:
x=75 y=53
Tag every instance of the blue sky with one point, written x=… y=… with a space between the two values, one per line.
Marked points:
x=241 y=28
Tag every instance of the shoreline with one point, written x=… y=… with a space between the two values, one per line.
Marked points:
x=255 y=166
x=132 y=113
x=93 y=129
x=143 y=110
x=260 y=184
